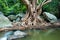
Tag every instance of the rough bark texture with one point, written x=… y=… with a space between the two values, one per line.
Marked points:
x=42 y=26
x=32 y=17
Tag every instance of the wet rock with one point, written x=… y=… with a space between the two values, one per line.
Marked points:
x=19 y=16
x=6 y=35
x=4 y=21
x=20 y=33
x=18 y=19
x=50 y=17
x=4 y=38
x=17 y=34
x=13 y=35
x=12 y=17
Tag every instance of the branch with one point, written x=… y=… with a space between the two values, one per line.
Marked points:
x=47 y=26
x=43 y=3
x=26 y=2
x=34 y=3
x=13 y=28
x=48 y=1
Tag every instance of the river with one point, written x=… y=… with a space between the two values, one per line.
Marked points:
x=49 y=34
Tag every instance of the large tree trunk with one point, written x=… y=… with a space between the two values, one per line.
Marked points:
x=32 y=17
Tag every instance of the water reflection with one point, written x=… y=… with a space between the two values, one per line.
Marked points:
x=50 y=34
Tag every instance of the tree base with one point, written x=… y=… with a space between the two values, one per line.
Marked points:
x=41 y=26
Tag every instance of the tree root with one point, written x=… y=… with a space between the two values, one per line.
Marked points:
x=41 y=26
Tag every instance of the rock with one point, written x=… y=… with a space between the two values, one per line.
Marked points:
x=4 y=21
x=17 y=34
x=13 y=35
x=52 y=18
x=12 y=17
x=18 y=19
x=6 y=35
x=1 y=13
x=19 y=16
x=20 y=33
x=3 y=38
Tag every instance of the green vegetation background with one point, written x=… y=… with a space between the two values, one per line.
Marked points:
x=16 y=6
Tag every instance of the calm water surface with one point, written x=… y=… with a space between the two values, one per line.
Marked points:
x=50 y=34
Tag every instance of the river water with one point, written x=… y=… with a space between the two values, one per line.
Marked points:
x=49 y=34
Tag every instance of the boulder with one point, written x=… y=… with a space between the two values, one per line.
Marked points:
x=19 y=16
x=18 y=19
x=20 y=33
x=8 y=33
x=13 y=35
x=12 y=17
x=17 y=34
x=50 y=17
x=4 y=21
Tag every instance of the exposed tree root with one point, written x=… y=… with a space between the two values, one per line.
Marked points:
x=41 y=26
x=10 y=29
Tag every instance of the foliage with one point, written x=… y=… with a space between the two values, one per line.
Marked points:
x=8 y=6
x=52 y=7
x=16 y=6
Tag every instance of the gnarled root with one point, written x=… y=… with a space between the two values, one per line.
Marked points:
x=31 y=21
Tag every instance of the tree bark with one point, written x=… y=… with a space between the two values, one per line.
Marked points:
x=41 y=26
x=32 y=17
